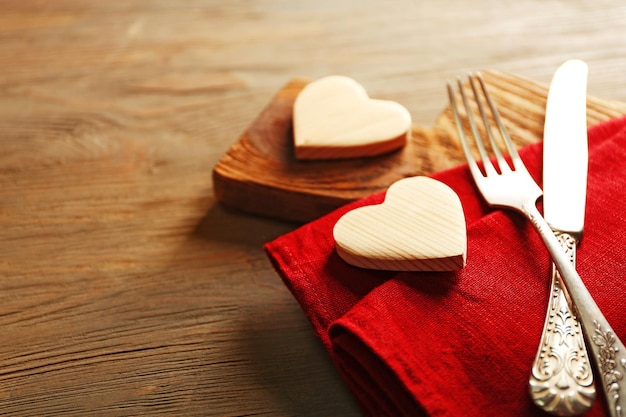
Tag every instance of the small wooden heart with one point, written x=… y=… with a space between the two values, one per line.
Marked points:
x=333 y=118
x=419 y=227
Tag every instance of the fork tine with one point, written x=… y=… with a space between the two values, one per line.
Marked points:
x=502 y=164
x=475 y=170
x=471 y=162
x=515 y=158
x=488 y=166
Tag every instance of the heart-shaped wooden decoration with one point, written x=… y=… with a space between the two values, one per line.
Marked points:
x=419 y=227
x=333 y=118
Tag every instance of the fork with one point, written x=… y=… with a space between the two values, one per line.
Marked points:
x=512 y=187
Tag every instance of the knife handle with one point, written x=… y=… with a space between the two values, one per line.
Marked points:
x=561 y=379
x=607 y=351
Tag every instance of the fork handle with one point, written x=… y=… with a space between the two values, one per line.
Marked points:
x=561 y=379
x=607 y=351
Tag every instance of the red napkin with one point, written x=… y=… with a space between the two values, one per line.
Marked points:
x=459 y=343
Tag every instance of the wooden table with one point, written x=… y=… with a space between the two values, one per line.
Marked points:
x=125 y=289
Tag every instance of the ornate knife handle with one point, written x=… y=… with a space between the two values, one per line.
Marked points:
x=561 y=379
x=606 y=349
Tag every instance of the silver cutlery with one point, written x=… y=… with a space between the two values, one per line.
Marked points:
x=512 y=187
x=561 y=379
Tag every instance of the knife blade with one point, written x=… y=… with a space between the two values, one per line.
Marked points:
x=565 y=140
x=561 y=380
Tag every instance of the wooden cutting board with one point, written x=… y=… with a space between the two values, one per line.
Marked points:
x=260 y=174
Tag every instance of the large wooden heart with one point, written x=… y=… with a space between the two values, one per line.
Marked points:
x=334 y=118
x=419 y=227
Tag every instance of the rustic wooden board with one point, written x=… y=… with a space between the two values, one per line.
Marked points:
x=260 y=174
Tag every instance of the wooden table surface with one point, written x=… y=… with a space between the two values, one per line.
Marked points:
x=125 y=289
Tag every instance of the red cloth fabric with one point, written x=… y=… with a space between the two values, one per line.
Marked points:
x=459 y=343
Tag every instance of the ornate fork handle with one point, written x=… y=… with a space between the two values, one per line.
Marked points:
x=561 y=379
x=607 y=351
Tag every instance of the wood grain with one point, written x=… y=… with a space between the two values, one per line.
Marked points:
x=125 y=289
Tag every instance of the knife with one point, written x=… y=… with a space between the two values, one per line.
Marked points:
x=561 y=380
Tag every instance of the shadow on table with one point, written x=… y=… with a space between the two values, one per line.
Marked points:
x=226 y=225
x=291 y=362
x=280 y=367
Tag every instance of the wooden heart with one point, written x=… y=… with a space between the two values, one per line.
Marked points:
x=334 y=118
x=419 y=227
